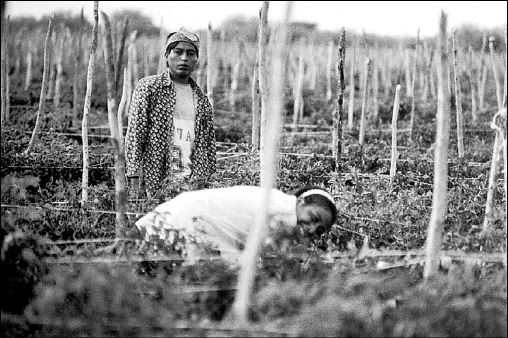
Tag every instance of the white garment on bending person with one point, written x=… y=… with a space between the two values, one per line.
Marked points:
x=184 y=123
x=222 y=217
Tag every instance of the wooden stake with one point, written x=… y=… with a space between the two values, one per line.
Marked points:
x=482 y=74
x=132 y=71
x=59 y=69
x=161 y=48
x=505 y=69
x=122 y=107
x=263 y=74
x=42 y=99
x=499 y=144
x=458 y=99
x=338 y=115
x=210 y=64
x=432 y=83
x=28 y=77
x=499 y=90
x=120 y=180
x=413 y=82
x=395 y=116
x=86 y=106
x=146 y=61
x=473 y=84
x=268 y=175
x=52 y=67
x=312 y=69
x=119 y=59
x=407 y=64
x=329 y=71
x=235 y=72
x=77 y=61
x=351 y=104
x=375 y=90
x=440 y=192
x=366 y=82
x=256 y=112
x=7 y=78
x=5 y=67
x=298 y=104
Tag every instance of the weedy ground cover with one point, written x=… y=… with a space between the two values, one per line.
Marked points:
x=321 y=288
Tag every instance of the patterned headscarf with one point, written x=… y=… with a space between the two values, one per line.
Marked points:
x=185 y=36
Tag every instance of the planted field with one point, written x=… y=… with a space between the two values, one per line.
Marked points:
x=68 y=271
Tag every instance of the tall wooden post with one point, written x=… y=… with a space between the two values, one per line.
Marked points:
x=119 y=56
x=268 y=176
x=120 y=180
x=235 y=72
x=52 y=67
x=256 y=112
x=338 y=115
x=263 y=74
x=440 y=193
x=77 y=61
x=59 y=51
x=28 y=76
x=42 y=99
x=329 y=71
x=351 y=103
x=432 y=83
x=366 y=81
x=298 y=104
x=7 y=96
x=482 y=73
x=132 y=71
x=375 y=89
x=161 y=66
x=407 y=66
x=458 y=100
x=5 y=67
x=395 y=116
x=413 y=81
x=87 y=104
x=499 y=143
x=499 y=90
x=473 y=84
x=210 y=64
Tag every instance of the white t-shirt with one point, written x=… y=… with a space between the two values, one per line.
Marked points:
x=222 y=217
x=183 y=122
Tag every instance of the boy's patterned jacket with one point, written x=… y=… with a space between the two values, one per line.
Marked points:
x=149 y=138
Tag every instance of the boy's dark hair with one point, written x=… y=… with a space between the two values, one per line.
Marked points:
x=319 y=200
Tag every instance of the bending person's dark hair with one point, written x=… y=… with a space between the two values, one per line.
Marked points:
x=318 y=200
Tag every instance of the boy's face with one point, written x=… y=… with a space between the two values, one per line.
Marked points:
x=182 y=60
x=312 y=218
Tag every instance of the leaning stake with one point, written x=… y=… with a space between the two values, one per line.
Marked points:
x=42 y=99
x=499 y=143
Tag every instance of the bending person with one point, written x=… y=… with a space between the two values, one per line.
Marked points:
x=221 y=219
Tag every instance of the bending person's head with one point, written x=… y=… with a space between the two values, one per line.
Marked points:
x=315 y=210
